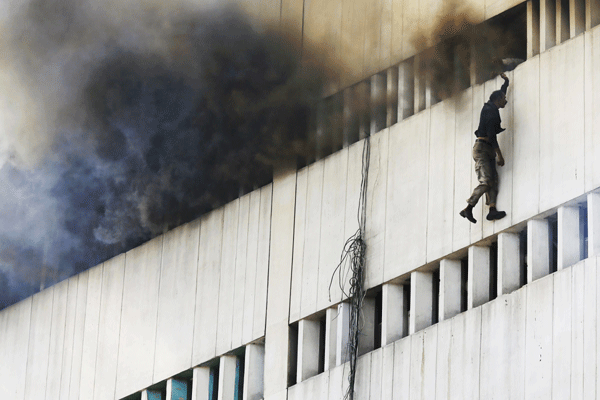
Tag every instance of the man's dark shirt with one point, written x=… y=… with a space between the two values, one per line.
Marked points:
x=489 y=121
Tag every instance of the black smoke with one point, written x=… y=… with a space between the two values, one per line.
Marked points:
x=149 y=128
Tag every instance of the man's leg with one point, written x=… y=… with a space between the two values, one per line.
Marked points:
x=492 y=194
x=481 y=159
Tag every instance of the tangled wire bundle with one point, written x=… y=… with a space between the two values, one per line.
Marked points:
x=352 y=262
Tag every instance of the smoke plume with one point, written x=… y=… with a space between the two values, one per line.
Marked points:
x=457 y=46
x=121 y=121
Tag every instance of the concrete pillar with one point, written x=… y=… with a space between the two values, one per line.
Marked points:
x=331 y=315
x=593 y=204
x=201 y=383
x=178 y=389
x=547 y=24
x=343 y=330
x=509 y=263
x=280 y=272
x=421 y=301
x=562 y=22
x=538 y=249
x=392 y=321
x=152 y=395
x=406 y=90
x=227 y=366
x=419 y=85
x=569 y=251
x=592 y=13
x=392 y=96
x=308 y=349
x=366 y=342
x=478 y=281
x=378 y=102
x=254 y=372
x=577 y=17
x=533 y=29
x=450 y=289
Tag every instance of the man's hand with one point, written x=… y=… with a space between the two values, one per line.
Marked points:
x=503 y=76
x=501 y=161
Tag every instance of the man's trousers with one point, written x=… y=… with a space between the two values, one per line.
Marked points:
x=485 y=167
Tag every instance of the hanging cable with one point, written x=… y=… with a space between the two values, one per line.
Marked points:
x=352 y=263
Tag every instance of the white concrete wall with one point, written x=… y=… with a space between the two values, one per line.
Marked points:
x=538 y=342
x=201 y=290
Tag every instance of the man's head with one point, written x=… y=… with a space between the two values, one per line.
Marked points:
x=498 y=98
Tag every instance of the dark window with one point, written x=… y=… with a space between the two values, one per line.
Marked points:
x=523 y=256
x=553 y=242
x=493 y=270
x=583 y=231
x=213 y=383
x=293 y=354
x=240 y=365
x=435 y=301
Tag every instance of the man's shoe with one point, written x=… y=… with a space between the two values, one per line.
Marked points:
x=468 y=214
x=495 y=214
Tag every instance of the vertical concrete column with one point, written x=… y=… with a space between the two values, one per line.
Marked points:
x=254 y=372
x=392 y=321
x=392 y=96
x=509 y=263
x=450 y=287
x=378 y=102
x=547 y=24
x=533 y=29
x=421 y=301
x=419 y=85
x=308 y=349
x=366 y=342
x=406 y=90
x=592 y=13
x=280 y=272
x=178 y=389
x=577 y=15
x=562 y=22
x=201 y=383
x=478 y=281
x=343 y=330
x=568 y=237
x=538 y=249
x=227 y=365
x=593 y=204
x=152 y=395
x=330 y=337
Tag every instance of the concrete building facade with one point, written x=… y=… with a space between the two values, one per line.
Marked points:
x=237 y=304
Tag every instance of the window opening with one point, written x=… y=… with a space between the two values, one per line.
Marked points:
x=464 y=291
x=378 y=319
x=293 y=354
x=240 y=365
x=523 y=256
x=322 y=340
x=435 y=293
x=583 y=231
x=493 y=270
x=406 y=311
x=553 y=245
x=213 y=382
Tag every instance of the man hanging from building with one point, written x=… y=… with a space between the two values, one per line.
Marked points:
x=485 y=151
